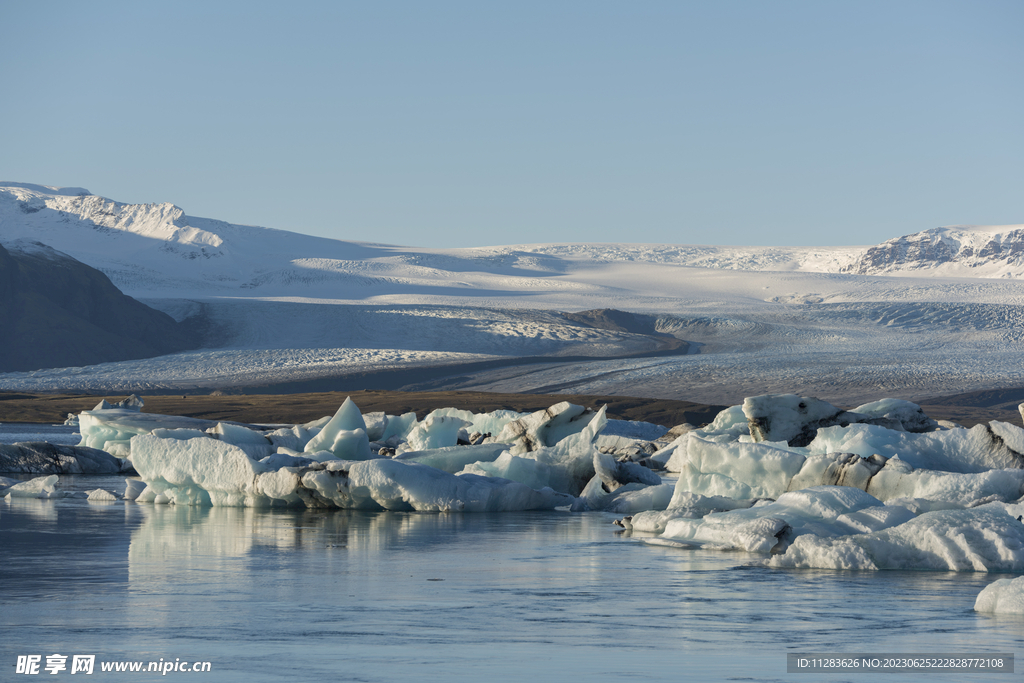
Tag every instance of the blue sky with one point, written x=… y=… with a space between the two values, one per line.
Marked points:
x=481 y=123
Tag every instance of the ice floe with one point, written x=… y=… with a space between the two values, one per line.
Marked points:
x=793 y=480
x=40 y=487
x=1003 y=596
x=882 y=486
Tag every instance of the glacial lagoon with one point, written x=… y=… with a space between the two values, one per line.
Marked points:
x=345 y=595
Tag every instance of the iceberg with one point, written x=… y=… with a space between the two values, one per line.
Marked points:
x=394 y=485
x=203 y=471
x=231 y=465
x=546 y=428
x=436 y=431
x=978 y=539
x=1003 y=596
x=454 y=459
x=344 y=435
x=880 y=487
x=112 y=429
x=40 y=487
x=566 y=466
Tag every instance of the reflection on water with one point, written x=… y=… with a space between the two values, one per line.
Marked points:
x=314 y=595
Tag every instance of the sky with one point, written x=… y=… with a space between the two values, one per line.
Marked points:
x=481 y=123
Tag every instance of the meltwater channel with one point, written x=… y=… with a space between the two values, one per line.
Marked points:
x=338 y=595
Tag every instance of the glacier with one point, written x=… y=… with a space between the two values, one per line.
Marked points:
x=843 y=324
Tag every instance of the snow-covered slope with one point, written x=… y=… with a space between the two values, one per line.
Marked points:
x=985 y=251
x=158 y=250
x=927 y=314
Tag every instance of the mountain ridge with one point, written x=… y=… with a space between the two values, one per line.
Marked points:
x=157 y=250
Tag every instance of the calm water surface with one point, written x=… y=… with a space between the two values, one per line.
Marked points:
x=286 y=595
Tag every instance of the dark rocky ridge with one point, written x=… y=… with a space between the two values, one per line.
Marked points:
x=58 y=312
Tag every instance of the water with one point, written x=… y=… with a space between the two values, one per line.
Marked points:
x=61 y=435
x=305 y=595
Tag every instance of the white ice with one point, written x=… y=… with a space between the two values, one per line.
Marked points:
x=40 y=487
x=1003 y=596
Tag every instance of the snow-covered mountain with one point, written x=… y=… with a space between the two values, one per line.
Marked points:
x=158 y=250
x=958 y=251
x=927 y=314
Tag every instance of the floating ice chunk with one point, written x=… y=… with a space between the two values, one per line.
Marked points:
x=655 y=521
x=737 y=470
x=614 y=475
x=763 y=528
x=697 y=505
x=545 y=428
x=626 y=499
x=103 y=405
x=237 y=434
x=898 y=480
x=979 y=539
x=673 y=455
x=608 y=442
x=394 y=485
x=483 y=423
x=278 y=460
x=954 y=450
x=904 y=414
x=791 y=418
x=532 y=472
x=756 y=470
x=180 y=434
x=205 y=471
x=103 y=428
x=40 y=487
x=729 y=425
x=757 y=535
x=318 y=424
x=255 y=444
x=840 y=469
x=376 y=424
x=196 y=471
x=278 y=485
x=875 y=518
x=1004 y=596
x=399 y=426
x=133 y=487
x=566 y=467
x=350 y=445
x=294 y=438
x=344 y=435
x=133 y=402
x=454 y=459
x=347 y=419
x=1011 y=435
x=100 y=495
x=436 y=431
